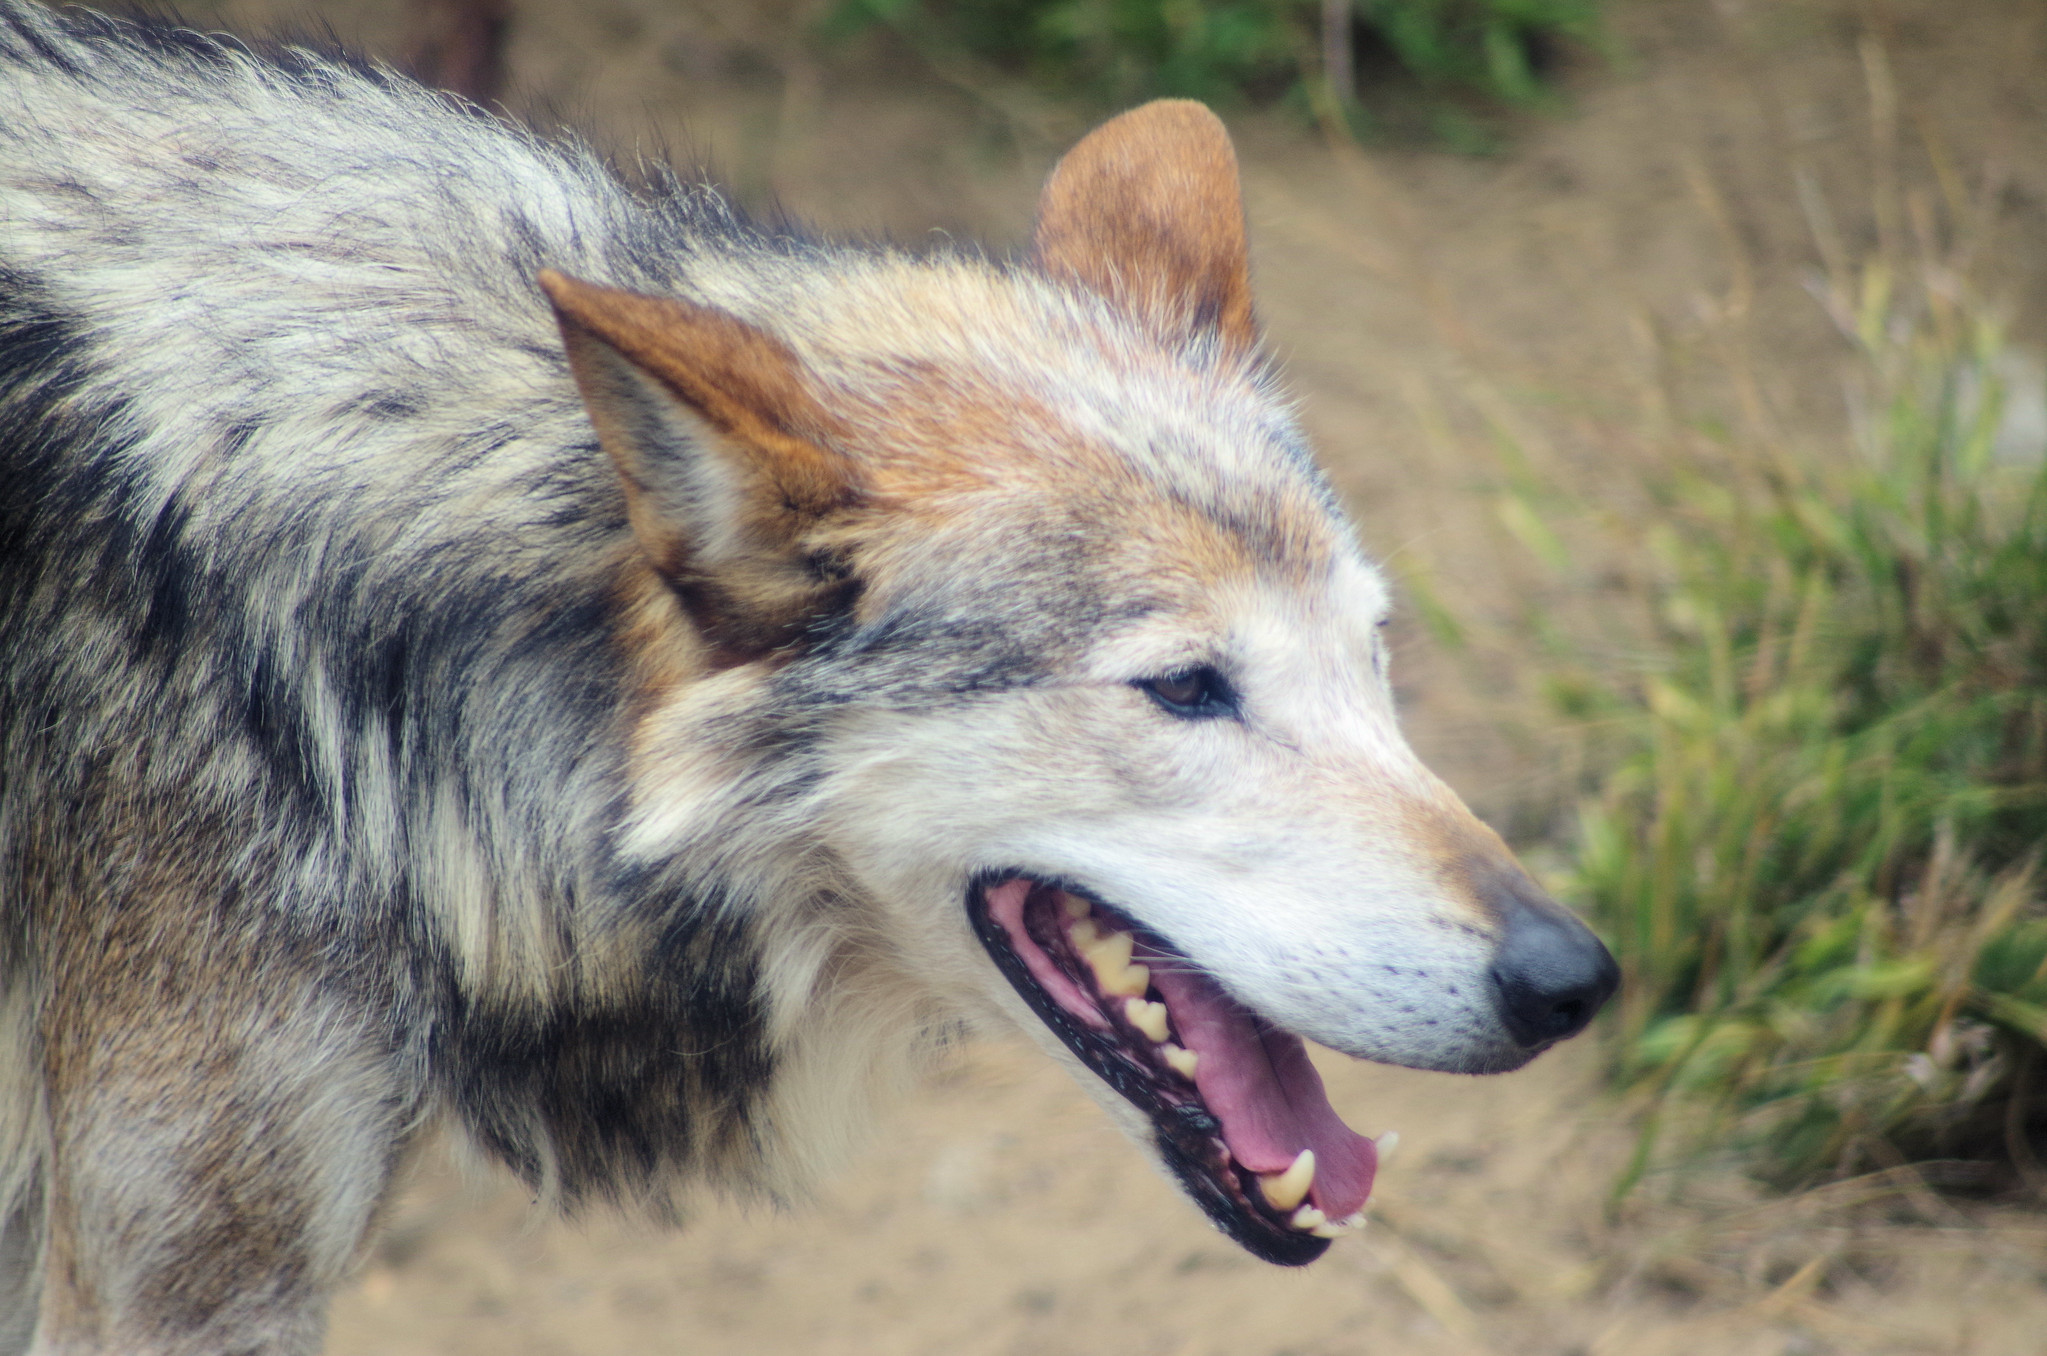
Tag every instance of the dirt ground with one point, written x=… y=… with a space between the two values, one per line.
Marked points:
x=999 y=1215
x=1638 y=265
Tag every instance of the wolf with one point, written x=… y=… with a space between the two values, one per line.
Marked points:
x=484 y=647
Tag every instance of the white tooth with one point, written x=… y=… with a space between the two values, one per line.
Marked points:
x=1132 y=983
x=1150 y=1018
x=1182 y=1062
x=1109 y=950
x=1309 y=1218
x=1285 y=1190
x=1386 y=1144
x=1075 y=906
x=1331 y=1228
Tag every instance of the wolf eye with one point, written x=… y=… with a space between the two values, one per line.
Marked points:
x=1193 y=694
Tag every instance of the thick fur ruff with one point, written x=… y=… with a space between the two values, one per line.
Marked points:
x=589 y=716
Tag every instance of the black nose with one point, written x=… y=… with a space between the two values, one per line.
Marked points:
x=1552 y=973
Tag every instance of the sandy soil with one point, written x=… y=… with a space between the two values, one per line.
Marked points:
x=1000 y=1216
x=1638 y=265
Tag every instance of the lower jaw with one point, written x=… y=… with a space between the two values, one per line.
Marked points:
x=1186 y=1135
x=1226 y=1198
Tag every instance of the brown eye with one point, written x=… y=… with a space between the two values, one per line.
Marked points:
x=1192 y=694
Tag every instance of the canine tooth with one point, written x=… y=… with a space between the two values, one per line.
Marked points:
x=1309 y=1218
x=1150 y=1018
x=1075 y=906
x=1085 y=934
x=1285 y=1190
x=1181 y=1061
x=1132 y=983
x=1386 y=1144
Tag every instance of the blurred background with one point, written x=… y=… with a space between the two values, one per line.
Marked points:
x=1684 y=361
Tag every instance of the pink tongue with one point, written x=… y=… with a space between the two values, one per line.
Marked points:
x=1256 y=1080
x=1259 y=1083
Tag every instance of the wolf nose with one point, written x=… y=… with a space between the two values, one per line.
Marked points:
x=1552 y=973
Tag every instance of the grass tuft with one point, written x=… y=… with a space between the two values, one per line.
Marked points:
x=1818 y=852
x=1233 y=52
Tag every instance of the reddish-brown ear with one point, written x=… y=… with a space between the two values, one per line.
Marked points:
x=725 y=454
x=1147 y=212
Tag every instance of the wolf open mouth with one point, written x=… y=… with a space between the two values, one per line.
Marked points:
x=1237 y=1110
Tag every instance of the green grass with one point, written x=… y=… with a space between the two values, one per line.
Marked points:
x=1231 y=52
x=1489 y=47
x=1817 y=852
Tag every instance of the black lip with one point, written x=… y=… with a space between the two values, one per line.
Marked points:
x=1184 y=1131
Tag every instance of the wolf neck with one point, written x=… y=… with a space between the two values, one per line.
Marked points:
x=700 y=988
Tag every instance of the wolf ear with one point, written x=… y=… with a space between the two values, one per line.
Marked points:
x=1147 y=212
x=725 y=454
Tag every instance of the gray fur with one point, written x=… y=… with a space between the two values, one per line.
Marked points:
x=364 y=772
x=304 y=563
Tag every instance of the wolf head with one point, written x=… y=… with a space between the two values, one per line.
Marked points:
x=1027 y=577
